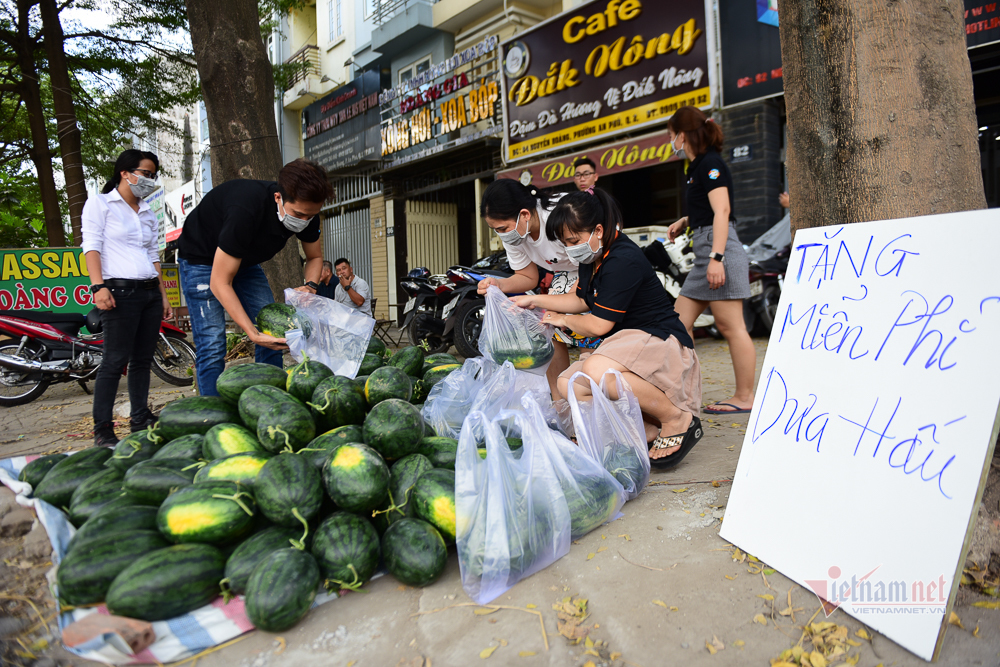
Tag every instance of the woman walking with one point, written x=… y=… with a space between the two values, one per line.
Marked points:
x=120 y=244
x=720 y=275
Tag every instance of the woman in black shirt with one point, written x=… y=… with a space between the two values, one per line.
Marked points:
x=720 y=276
x=643 y=337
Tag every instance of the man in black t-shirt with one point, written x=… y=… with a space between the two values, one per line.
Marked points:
x=237 y=226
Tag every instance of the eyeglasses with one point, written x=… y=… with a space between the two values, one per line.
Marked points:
x=584 y=174
x=147 y=174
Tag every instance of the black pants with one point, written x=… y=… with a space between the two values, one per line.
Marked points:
x=131 y=330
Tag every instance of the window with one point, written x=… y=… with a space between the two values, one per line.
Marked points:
x=336 y=20
x=415 y=69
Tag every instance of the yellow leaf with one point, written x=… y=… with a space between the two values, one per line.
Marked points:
x=711 y=649
x=526 y=654
x=817 y=659
x=592 y=652
x=853 y=659
x=616 y=655
x=754 y=559
x=729 y=577
x=660 y=603
x=853 y=643
x=782 y=663
x=739 y=643
x=719 y=646
x=352 y=663
x=765 y=596
x=591 y=555
x=680 y=490
x=716 y=484
x=982 y=604
x=484 y=612
x=589 y=663
x=602 y=549
x=975 y=633
x=503 y=642
x=604 y=537
x=589 y=643
x=487 y=652
x=628 y=538
x=531 y=606
x=864 y=634
x=953 y=619
x=674 y=609
x=760 y=618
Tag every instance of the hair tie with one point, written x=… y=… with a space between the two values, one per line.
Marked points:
x=533 y=191
x=590 y=190
x=709 y=120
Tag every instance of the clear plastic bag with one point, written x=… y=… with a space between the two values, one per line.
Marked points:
x=611 y=431
x=514 y=334
x=338 y=337
x=451 y=399
x=505 y=389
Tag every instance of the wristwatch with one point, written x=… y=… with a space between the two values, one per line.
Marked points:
x=94 y=289
x=716 y=255
x=310 y=283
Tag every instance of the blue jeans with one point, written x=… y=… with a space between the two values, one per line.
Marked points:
x=208 y=318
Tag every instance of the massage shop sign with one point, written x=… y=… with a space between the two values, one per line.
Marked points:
x=48 y=279
x=603 y=69
x=452 y=103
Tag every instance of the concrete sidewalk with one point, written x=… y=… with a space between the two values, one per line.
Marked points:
x=658 y=583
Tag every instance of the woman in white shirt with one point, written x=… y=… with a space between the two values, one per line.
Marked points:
x=120 y=244
x=518 y=213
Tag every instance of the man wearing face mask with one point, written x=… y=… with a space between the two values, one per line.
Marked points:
x=237 y=226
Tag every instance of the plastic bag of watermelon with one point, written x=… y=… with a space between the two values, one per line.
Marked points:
x=451 y=399
x=339 y=335
x=511 y=333
x=505 y=388
x=610 y=430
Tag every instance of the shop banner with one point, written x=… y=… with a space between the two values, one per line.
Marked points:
x=155 y=202
x=982 y=23
x=614 y=158
x=171 y=284
x=47 y=279
x=342 y=129
x=751 y=50
x=605 y=68
x=179 y=204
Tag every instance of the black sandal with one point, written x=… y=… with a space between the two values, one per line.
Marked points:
x=687 y=441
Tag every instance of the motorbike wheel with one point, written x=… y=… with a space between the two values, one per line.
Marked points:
x=769 y=310
x=468 y=326
x=418 y=335
x=176 y=369
x=15 y=388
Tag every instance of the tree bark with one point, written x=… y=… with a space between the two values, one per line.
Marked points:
x=881 y=115
x=41 y=156
x=70 y=142
x=238 y=87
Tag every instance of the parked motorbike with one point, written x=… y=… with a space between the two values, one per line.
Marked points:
x=46 y=348
x=422 y=314
x=768 y=255
x=673 y=261
x=463 y=313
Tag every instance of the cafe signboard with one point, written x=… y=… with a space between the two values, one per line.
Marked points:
x=605 y=68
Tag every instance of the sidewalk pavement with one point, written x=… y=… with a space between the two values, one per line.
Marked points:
x=660 y=586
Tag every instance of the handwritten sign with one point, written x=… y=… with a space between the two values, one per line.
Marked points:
x=875 y=414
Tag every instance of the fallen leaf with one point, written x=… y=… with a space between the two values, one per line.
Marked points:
x=864 y=634
x=602 y=549
x=660 y=603
x=711 y=649
x=853 y=659
x=716 y=484
x=526 y=654
x=615 y=655
x=718 y=644
x=592 y=652
x=589 y=643
x=853 y=643
x=628 y=538
x=591 y=555
x=730 y=578
x=352 y=663
x=953 y=619
x=604 y=537
x=680 y=490
x=531 y=606
x=674 y=609
x=760 y=618
x=487 y=652
x=765 y=596
x=769 y=571
x=503 y=642
x=589 y=663
x=982 y=604
x=975 y=633
x=484 y=612
x=817 y=659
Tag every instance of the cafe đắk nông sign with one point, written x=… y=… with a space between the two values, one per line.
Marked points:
x=605 y=68
x=646 y=151
x=342 y=129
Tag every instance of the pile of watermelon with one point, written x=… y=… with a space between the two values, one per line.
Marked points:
x=288 y=480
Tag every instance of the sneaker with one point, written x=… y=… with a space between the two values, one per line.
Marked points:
x=144 y=422
x=104 y=435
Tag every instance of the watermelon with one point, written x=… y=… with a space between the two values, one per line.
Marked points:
x=242 y=468
x=86 y=573
x=92 y=456
x=624 y=462
x=58 y=485
x=440 y=359
x=252 y=551
x=356 y=478
x=95 y=492
x=151 y=484
x=228 y=439
x=317 y=450
x=114 y=518
x=538 y=352
x=346 y=546
x=303 y=378
x=336 y=402
x=527 y=535
x=285 y=427
x=594 y=502
x=132 y=449
x=441 y=451
x=196 y=414
x=369 y=363
x=438 y=373
x=394 y=428
x=211 y=512
x=237 y=379
x=167 y=583
x=256 y=400
x=410 y=360
x=34 y=472
x=402 y=476
x=433 y=497
x=185 y=447
x=385 y=383
x=281 y=589
x=289 y=492
x=429 y=431
x=376 y=346
x=414 y=552
x=275 y=319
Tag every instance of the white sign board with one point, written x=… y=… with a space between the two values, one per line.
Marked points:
x=155 y=202
x=874 y=416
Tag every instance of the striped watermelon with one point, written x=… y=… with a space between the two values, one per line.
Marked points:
x=346 y=547
x=356 y=478
x=281 y=589
x=394 y=428
x=237 y=379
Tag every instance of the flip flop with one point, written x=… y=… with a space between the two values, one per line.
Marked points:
x=687 y=441
x=735 y=411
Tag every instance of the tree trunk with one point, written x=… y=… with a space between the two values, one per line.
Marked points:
x=238 y=87
x=41 y=156
x=68 y=131
x=881 y=117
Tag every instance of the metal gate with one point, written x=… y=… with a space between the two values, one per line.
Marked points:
x=348 y=234
x=431 y=235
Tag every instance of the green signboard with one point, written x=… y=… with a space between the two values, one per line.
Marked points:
x=49 y=279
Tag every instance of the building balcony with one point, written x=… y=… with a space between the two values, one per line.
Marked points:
x=401 y=24
x=304 y=86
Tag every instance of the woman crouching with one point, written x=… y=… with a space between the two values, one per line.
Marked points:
x=644 y=338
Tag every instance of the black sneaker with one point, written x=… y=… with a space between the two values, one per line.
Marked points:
x=104 y=436
x=144 y=422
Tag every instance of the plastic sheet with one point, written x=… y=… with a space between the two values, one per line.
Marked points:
x=339 y=335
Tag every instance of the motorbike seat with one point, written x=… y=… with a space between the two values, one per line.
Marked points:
x=68 y=323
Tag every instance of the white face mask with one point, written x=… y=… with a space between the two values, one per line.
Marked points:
x=679 y=152
x=512 y=238
x=290 y=222
x=582 y=253
x=143 y=187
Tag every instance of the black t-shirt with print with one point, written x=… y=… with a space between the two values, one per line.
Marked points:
x=626 y=291
x=705 y=173
x=241 y=217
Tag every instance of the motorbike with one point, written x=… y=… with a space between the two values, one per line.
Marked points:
x=422 y=314
x=672 y=261
x=44 y=348
x=768 y=256
x=463 y=313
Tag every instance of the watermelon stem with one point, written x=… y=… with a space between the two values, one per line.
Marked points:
x=227 y=592
x=393 y=507
x=236 y=499
x=300 y=543
x=353 y=586
x=197 y=464
x=271 y=430
x=326 y=397
x=152 y=435
x=135 y=447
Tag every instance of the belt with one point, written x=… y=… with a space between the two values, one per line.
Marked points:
x=151 y=283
